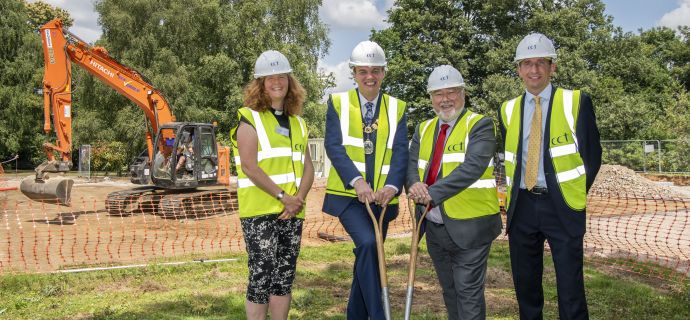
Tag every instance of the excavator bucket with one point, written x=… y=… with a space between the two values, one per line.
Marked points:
x=51 y=190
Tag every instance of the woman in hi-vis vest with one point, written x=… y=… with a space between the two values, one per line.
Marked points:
x=275 y=174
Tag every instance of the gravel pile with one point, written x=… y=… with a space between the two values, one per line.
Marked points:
x=619 y=180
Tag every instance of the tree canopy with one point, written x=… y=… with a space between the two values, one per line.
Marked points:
x=20 y=74
x=40 y=12
x=200 y=54
x=639 y=82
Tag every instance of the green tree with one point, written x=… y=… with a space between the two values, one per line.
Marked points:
x=109 y=156
x=470 y=35
x=638 y=82
x=20 y=74
x=672 y=48
x=200 y=54
x=40 y=13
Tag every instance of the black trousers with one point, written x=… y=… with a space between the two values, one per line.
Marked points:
x=535 y=219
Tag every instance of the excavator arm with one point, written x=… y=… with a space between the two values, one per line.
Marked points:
x=60 y=49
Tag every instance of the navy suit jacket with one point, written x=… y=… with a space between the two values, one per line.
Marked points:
x=333 y=142
x=589 y=147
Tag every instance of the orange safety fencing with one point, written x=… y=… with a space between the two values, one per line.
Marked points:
x=636 y=232
x=645 y=234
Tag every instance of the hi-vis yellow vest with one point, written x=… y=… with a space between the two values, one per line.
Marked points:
x=390 y=114
x=279 y=156
x=480 y=198
x=563 y=147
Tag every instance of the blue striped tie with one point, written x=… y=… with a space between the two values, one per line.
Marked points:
x=369 y=115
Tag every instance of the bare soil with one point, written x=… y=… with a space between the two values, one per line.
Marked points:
x=46 y=237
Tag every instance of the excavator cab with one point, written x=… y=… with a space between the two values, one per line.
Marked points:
x=185 y=157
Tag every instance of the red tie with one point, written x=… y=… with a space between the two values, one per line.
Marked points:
x=438 y=153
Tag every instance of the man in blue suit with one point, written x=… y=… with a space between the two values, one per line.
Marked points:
x=366 y=141
x=552 y=155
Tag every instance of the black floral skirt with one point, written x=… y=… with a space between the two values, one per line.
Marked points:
x=272 y=246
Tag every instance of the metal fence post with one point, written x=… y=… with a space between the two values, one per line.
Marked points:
x=658 y=145
x=671 y=159
x=85 y=161
x=644 y=156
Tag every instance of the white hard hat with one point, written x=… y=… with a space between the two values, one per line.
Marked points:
x=535 y=45
x=271 y=62
x=444 y=76
x=367 y=54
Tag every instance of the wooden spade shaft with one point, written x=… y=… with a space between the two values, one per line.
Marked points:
x=414 y=248
x=378 y=233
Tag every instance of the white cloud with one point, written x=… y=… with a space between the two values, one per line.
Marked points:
x=341 y=72
x=677 y=17
x=85 y=18
x=360 y=14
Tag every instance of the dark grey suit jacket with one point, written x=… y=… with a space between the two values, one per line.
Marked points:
x=468 y=233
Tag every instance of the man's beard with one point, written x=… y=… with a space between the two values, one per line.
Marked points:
x=449 y=115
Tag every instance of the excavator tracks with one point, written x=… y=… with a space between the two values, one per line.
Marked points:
x=125 y=203
x=198 y=204
x=171 y=204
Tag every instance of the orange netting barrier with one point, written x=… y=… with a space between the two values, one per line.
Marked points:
x=628 y=231
x=635 y=232
x=46 y=236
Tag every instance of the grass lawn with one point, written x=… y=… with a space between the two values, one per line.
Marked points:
x=216 y=290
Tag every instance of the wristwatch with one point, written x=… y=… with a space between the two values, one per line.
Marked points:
x=280 y=195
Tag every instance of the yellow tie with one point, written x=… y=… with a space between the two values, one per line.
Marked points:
x=534 y=148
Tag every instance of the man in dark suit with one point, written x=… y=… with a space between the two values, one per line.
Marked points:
x=552 y=155
x=451 y=171
x=366 y=141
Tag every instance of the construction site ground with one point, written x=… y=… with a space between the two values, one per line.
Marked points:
x=47 y=237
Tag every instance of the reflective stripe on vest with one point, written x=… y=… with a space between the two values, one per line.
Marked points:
x=391 y=111
x=510 y=155
x=280 y=157
x=563 y=146
x=480 y=198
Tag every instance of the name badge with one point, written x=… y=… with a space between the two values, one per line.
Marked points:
x=282 y=131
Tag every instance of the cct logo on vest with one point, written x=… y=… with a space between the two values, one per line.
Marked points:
x=560 y=139
x=456 y=147
x=299 y=147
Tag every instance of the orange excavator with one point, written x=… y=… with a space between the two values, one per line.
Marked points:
x=180 y=157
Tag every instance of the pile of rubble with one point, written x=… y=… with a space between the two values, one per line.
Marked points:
x=619 y=180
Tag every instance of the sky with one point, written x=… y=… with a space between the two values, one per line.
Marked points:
x=351 y=21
